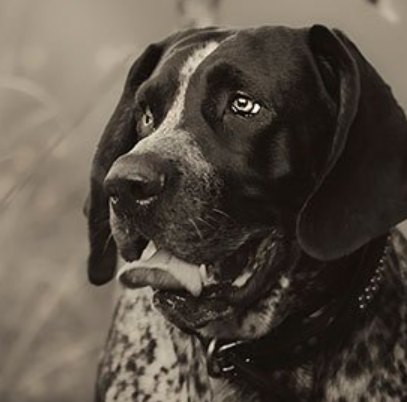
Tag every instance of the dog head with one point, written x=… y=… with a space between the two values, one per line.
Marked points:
x=243 y=151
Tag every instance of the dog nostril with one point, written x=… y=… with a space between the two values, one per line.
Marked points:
x=114 y=199
x=142 y=187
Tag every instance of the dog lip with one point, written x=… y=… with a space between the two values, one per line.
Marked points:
x=264 y=275
x=236 y=268
x=193 y=313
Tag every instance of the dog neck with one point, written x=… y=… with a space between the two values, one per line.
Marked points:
x=319 y=328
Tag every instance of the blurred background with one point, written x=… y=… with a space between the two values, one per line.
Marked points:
x=62 y=66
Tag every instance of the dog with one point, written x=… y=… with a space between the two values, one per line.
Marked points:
x=259 y=174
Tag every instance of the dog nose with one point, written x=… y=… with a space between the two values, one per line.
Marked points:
x=136 y=178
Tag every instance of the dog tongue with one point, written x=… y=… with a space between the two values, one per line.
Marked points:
x=162 y=271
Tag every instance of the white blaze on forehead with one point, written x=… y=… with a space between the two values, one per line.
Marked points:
x=174 y=115
x=189 y=67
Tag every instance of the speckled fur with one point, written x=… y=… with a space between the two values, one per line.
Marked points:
x=373 y=368
x=147 y=359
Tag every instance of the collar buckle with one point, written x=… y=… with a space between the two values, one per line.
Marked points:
x=218 y=358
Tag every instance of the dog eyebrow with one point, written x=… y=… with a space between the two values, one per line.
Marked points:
x=153 y=94
x=226 y=76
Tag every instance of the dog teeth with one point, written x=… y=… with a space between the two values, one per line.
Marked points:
x=284 y=282
x=203 y=272
x=146 y=201
x=207 y=277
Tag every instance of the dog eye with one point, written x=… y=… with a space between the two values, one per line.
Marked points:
x=243 y=105
x=147 y=119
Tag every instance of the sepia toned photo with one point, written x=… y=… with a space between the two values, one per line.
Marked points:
x=203 y=201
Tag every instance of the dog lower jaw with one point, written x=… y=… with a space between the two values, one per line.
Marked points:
x=225 y=301
x=192 y=296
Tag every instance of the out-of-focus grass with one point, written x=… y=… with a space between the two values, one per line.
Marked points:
x=61 y=71
x=53 y=323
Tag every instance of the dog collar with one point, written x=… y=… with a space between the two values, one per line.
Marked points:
x=226 y=360
x=294 y=343
x=374 y=284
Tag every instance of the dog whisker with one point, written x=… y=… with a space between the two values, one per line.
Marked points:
x=198 y=231
x=100 y=227
x=108 y=240
x=206 y=223
x=223 y=213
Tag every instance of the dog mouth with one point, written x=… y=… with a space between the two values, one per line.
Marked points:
x=192 y=295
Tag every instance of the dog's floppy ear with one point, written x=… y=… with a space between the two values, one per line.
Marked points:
x=118 y=138
x=362 y=191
